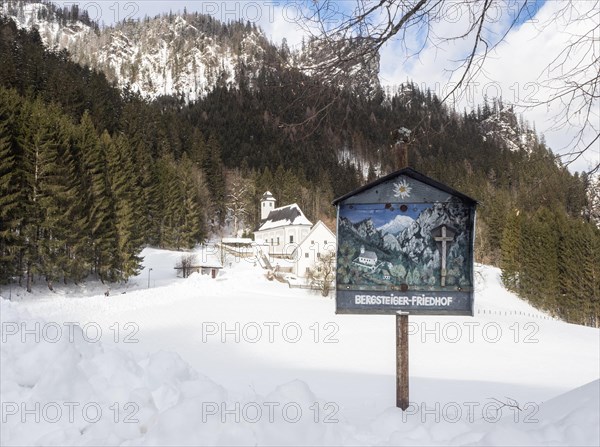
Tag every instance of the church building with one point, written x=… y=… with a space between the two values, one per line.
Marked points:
x=289 y=234
x=282 y=228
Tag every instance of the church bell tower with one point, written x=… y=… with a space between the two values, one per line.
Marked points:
x=267 y=204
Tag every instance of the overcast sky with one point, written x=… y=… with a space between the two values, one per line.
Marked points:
x=516 y=70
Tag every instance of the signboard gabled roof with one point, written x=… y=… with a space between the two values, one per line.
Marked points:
x=409 y=172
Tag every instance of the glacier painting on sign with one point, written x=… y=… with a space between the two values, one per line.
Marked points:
x=405 y=242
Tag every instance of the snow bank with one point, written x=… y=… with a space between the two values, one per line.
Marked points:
x=60 y=387
x=66 y=388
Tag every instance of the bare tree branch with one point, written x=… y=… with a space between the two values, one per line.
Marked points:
x=346 y=42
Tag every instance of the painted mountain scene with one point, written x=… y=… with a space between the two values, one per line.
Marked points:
x=420 y=246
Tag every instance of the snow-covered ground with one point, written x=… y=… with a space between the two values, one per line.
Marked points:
x=243 y=360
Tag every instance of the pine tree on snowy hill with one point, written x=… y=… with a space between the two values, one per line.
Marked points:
x=172 y=207
x=74 y=266
x=37 y=145
x=510 y=261
x=539 y=281
x=11 y=199
x=594 y=263
x=184 y=200
x=578 y=259
x=126 y=194
x=57 y=199
x=191 y=227
x=100 y=226
x=215 y=178
x=138 y=127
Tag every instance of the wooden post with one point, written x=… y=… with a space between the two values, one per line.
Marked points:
x=400 y=149
x=402 y=360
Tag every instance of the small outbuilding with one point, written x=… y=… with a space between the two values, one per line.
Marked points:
x=203 y=268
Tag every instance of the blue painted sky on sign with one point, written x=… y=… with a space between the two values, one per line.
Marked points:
x=379 y=214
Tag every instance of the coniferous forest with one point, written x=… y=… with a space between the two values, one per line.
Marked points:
x=90 y=174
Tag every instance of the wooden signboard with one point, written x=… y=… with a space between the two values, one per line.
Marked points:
x=405 y=246
x=405 y=243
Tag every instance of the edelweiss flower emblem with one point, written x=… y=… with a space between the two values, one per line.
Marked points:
x=402 y=189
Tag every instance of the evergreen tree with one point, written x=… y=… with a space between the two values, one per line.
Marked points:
x=11 y=198
x=577 y=267
x=172 y=206
x=74 y=264
x=127 y=204
x=594 y=264
x=52 y=195
x=371 y=175
x=264 y=182
x=8 y=202
x=192 y=228
x=215 y=179
x=511 y=248
x=148 y=184
x=539 y=278
x=100 y=226
x=38 y=147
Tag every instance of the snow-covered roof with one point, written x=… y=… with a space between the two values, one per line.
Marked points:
x=208 y=260
x=369 y=255
x=313 y=229
x=267 y=196
x=237 y=240
x=207 y=265
x=310 y=235
x=284 y=216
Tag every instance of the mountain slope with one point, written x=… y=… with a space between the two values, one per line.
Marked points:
x=185 y=55
x=170 y=55
x=397 y=225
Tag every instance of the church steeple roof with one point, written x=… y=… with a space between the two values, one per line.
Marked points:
x=267 y=196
